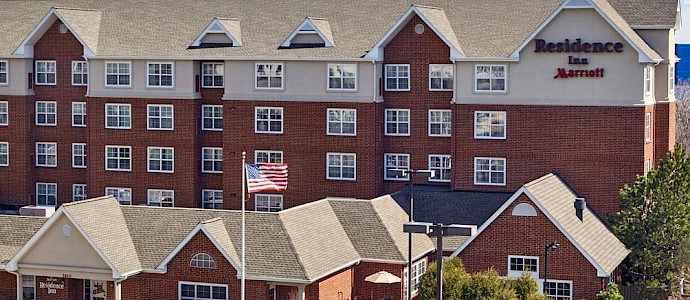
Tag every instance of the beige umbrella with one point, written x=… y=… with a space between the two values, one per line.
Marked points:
x=382 y=277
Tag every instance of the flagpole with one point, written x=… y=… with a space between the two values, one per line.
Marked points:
x=244 y=191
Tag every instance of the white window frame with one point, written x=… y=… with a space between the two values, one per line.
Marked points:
x=119 y=74
x=83 y=195
x=79 y=106
x=671 y=77
x=160 y=159
x=46 y=112
x=269 y=120
x=647 y=167
x=212 y=159
x=491 y=124
x=386 y=167
x=46 y=195
x=441 y=124
x=6 y=72
x=491 y=78
x=160 y=117
x=5 y=152
x=431 y=78
x=160 y=193
x=202 y=260
x=270 y=155
x=339 y=76
x=397 y=122
x=415 y=278
x=160 y=75
x=195 y=284
x=28 y=284
x=213 y=117
x=122 y=195
x=339 y=112
x=82 y=73
x=397 y=77
x=46 y=154
x=83 y=154
x=118 y=158
x=213 y=74
x=491 y=159
x=269 y=76
x=119 y=115
x=46 y=72
x=439 y=169
x=552 y=281
x=648 y=79
x=517 y=273
x=4 y=113
x=341 y=166
x=214 y=199
x=271 y=199
x=648 y=127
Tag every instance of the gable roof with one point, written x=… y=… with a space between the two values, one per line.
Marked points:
x=555 y=200
x=229 y=27
x=320 y=27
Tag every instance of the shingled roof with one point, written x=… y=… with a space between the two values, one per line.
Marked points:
x=15 y=231
x=481 y=28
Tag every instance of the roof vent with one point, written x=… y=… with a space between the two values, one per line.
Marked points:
x=312 y=33
x=580 y=206
x=219 y=33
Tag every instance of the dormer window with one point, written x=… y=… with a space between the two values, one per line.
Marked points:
x=312 y=33
x=219 y=33
x=202 y=261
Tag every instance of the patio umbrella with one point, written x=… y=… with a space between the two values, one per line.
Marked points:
x=382 y=277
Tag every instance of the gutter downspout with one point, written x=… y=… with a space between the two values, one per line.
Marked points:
x=19 y=283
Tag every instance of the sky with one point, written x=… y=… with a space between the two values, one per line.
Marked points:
x=683 y=36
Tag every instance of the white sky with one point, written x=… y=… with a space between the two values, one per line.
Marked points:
x=683 y=36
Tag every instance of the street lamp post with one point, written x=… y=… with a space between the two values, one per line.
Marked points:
x=553 y=246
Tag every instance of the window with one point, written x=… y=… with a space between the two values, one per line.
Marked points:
x=648 y=127
x=4 y=154
x=268 y=157
x=266 y=202
x=647 y=167
x=95 y=290
x=490 y=78
x=671 y=77
x=118 y=158
x=397 y=77
x=28 y=287
x=441 y=165
x=79 y=114
x=489 y=171
x=418 y=268
x=269 y=76
x=78 y=192
x=160 y=117
x=212 y=75
x=342 y=77
x=80 y=73
x=212 y=117
x=648 y=80
x=46 y=113
x=202 y=291
x=268 y=120
x=123 y=195
x=161 y=160
x=4 y=74
x=118 y=116
x=202 y=261
x=440 y=77
x=398 y=122
x=46 y=154
x=342 y=121
x=163 y=198
x=396 y=161
x=341 y=166
x=439 y=122
x=45 y=72
x=78 y=155
x=519 y=264
x=489 y=125
x=118 y=74
x=559 y=290
x=212 y=160
x=160 y=75
x=212 y=199
x=46 y=194
x=4 y=113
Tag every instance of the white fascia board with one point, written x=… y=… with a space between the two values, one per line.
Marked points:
x=287 y=41
x=215 y=21
x=163 y=266
x=26 y=50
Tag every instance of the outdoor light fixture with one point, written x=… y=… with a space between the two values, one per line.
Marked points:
x=553 y=246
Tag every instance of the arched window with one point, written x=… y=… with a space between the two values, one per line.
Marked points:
x=202 y=260
x=525 y=210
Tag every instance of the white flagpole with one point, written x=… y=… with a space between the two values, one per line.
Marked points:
x=244 y=190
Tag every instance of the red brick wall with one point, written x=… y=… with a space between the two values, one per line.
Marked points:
x=662 y=128
x=166 y=285
x=671 y=125
x=8 y=285
x=210 y=96
x=335 y=286
x=21 y=149
x=649 y=154
x=364 y=289
x=527 y=236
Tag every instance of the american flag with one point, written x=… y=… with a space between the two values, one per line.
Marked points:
x=267 y=177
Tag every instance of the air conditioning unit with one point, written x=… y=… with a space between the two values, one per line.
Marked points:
x=37 y=211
